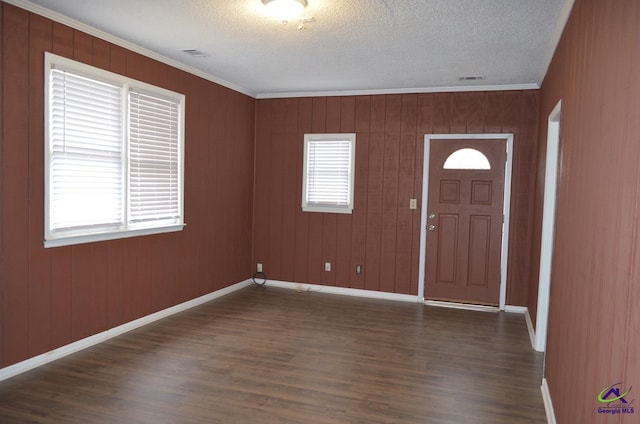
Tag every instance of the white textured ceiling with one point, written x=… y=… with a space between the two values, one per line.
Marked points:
x=353 y=45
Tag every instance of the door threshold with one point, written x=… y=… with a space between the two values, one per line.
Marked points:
x=457 y=305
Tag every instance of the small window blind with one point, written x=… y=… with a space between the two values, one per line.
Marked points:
x=329 y=169
x=328 y=172
x=85 y=153
x=154 y=167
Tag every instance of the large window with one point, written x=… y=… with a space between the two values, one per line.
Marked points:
x=328 y=172
x=114 y=161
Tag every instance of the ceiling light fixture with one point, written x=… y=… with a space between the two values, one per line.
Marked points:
x=285 y=10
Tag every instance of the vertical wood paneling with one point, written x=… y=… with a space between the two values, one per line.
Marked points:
x=383 y=234
x=329 y=236
x=425 y=113
x=15 y=180
x=40 y=36
x=631 y=370
x=275 y=174
x=404 y=242
x=494 y=112
x=459 y=108
x=262 y=164
x=359 y=221
x=374 y=211
x=82 y=47
x=99 y=268
x=291 y=200
x=593 y=333
x=301 y=255
x=51 y=297
x=389 y=205
x=131 y=270
x=377 y=113
x=476 y=111
x=512 y=115
x=441 y=113
x=101 y=54
x=81 y=313
x=409 y=113
x=2 y=190
x=115 y=284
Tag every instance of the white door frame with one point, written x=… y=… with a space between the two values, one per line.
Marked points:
x=548 y=226
x=507 y=205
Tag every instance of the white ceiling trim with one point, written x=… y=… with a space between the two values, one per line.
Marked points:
x=458 y=88
x=58 y=17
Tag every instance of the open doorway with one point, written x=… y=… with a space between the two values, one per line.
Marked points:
x=548 y=227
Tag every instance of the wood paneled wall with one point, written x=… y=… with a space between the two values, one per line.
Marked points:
x=51 y=297
x=594 y=321
x=382 y=234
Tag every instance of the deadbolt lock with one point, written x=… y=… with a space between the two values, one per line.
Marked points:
x=431 y=216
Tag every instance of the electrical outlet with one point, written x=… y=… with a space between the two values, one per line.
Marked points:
x=259 y=267
x=327 y=266
x=413 y=203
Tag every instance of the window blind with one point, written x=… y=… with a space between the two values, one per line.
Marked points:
x=154 y=190
x=328 y=172
x=85 y=185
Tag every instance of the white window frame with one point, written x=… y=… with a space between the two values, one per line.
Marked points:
x=328 y=207
x=78 y=235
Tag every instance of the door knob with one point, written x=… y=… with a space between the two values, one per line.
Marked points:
x=431 y=227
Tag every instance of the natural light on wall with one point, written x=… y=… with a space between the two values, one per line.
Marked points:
x=285 y=9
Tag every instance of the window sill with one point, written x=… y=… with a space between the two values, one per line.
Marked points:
x=69 y=241
x=327 y=209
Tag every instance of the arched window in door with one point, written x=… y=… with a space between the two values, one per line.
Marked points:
x=467 y=159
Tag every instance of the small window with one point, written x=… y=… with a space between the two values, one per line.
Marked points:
x=467 y=159
x=113 y=155
x=328 y=173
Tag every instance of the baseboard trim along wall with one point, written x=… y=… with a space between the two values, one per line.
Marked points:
x=548 y=404
x=532 y=331
x=465 y=306
x=63 y=351
x=343 y=291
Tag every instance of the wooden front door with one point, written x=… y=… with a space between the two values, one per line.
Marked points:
x=464 y=220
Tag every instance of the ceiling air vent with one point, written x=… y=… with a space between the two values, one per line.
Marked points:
x=194 y=52
x=472 y=78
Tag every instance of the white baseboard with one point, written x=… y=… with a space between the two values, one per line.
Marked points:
x=515 y=309
x=524 y=310
x=548 y=404
x=63 y=351
x=532 y=331
x=465 y=306
x=343 y=291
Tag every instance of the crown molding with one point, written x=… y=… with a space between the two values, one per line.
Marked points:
x=58 y=17
x=413 y=90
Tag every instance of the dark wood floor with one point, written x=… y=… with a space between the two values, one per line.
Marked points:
x=267 y=355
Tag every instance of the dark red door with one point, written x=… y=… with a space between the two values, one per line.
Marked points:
x=464 y=220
